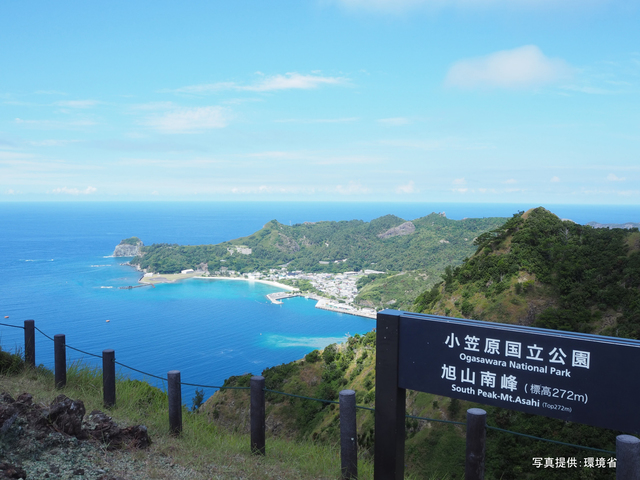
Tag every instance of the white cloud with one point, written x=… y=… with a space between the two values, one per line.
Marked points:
x=46 y=124
x=394 y=122
x=450 y=143
x=554 y=179
x=293 y=80
x=518 y=68
x=77 y=103
x=614 y=178
x=190 y=120
x=459 y=181
x=352 y=188
x=288 y=81
x=52 y=143
x=511 y=181
x=49 y=92
x=74 y=191
x=408 y=188
x=319 y=120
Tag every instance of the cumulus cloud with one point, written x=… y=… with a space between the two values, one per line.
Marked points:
x=190 y=120
x=521 y=67
x=74 y=191
x=408 y=188
x=288 y=81
x=614 y=178
x=555 y=179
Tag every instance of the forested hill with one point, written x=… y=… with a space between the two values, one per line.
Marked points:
x=539 y=270
x=386 y=243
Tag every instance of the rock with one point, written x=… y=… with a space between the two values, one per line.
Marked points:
x=126 y=249
x=407 y=228
x=101 y=427
x=65 y=415
x=8 y=470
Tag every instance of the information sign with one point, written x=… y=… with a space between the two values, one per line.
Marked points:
x=581 y=378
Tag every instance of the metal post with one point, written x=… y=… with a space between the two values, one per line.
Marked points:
x=627 y=457
x=348 y=435
x=109 y=377
x=257 y=416
x=388 y=463
x=476 y=442
x=175 y=401
x=60 y=356
x=30 y=342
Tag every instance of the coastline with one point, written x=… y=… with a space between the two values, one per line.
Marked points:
x=266 y=282
x=158 y=278
x=322 y=302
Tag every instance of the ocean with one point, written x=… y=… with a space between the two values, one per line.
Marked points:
x=56 y=268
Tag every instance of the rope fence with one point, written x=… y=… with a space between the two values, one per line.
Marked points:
x=174 y=384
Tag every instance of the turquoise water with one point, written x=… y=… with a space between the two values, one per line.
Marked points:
x=55 y=268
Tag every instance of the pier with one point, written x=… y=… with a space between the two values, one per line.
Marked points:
x=324 y=304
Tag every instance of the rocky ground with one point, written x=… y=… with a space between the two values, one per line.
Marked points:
x=58 y=441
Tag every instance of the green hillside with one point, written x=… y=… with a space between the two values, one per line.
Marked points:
x=535 y=269
x=539 y=270
x=429 y=243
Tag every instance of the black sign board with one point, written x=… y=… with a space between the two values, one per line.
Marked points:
x=581 y=378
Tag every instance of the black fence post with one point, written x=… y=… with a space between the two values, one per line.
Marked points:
x=30 y=343
x=109 y=377
x=388 y=463
x=627 y=457
x=348 y=435
x=257 y=416
x=476 y=443
x=175 y=401
x=60 y=356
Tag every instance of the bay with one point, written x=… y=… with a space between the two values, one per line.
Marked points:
x=56 y=269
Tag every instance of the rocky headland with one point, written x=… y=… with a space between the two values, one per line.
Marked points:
x=129 y=247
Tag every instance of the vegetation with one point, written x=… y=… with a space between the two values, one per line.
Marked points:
x=539 y=270
x=395 y=290
x=210 y=452
x=130 y=241
x=535 y=269
x=340 y=246
x=432 y=449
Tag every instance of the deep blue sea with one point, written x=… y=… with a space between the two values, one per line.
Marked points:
x=56 y=268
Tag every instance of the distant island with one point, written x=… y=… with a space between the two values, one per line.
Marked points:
x=349 y=266
x=626 y=226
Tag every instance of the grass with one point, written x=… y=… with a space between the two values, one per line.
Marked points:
x=210 y=451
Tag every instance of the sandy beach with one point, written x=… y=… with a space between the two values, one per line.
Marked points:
x=174 y=277
x=267 y=282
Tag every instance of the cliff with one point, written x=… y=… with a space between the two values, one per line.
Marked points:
x=129 y=247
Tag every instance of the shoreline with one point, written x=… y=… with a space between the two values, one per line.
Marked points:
x=266 y=282
x=159 y=278
x=323 y=303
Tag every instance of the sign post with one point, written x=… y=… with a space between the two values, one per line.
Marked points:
x=575 y=377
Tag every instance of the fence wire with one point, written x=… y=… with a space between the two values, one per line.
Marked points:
x=14 y=326
x=164 y=379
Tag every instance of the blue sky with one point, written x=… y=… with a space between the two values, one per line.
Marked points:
x=502 y=101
